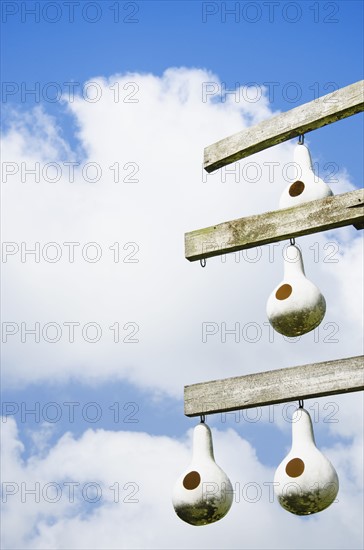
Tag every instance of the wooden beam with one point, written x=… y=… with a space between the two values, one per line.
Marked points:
x=270 y=227
x=276 y=386
x=322 y=111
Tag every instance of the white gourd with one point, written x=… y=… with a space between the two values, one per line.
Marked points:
x=305 y=481
x=203 y=494
x=308 y=186
x=296 y=306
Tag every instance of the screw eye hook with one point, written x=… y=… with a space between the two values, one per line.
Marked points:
x=203 y=262
x=292 y=241
x=202 y=418
x=300 y=403
x=301 y=139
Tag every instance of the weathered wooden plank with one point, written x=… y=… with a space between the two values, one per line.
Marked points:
x=277 y=386
x=317 y=113
x=270 y=227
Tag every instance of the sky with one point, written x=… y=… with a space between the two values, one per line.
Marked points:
x=106 y=109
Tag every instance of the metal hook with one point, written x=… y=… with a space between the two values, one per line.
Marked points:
x=300 y=403
x=202 y=418
x=292 y=241
x=203 y=262
x=301 y=139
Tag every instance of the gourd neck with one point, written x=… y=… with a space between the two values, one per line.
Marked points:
x=302 y=157
x=302 y=431
x=293 y=263
x=202 y=442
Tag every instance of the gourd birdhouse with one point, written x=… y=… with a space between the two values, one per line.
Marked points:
x=203 y=494
x=305 y=481
x=308 y=186
x=296 y=306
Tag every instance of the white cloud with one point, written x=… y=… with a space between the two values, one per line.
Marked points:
x=144 y=468
x=159 y=141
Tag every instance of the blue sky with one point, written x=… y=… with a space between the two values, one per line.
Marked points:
x=160 y=55
x=316 y=46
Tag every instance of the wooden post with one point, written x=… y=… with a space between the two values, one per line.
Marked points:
x=303 y=119
x=276 y=386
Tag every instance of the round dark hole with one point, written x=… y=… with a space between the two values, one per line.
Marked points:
x=283 y=292
x=296 y=188
x=191 y=480
x=295 y=467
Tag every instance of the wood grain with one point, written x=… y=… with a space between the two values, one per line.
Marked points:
x=275 y=386
x=270 y=227
x=324 y=110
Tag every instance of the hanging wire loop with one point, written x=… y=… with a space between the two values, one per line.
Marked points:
x=300 y=403
x=202 y=418
x=203 y=262
x=301 y=139
x=292 y=241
